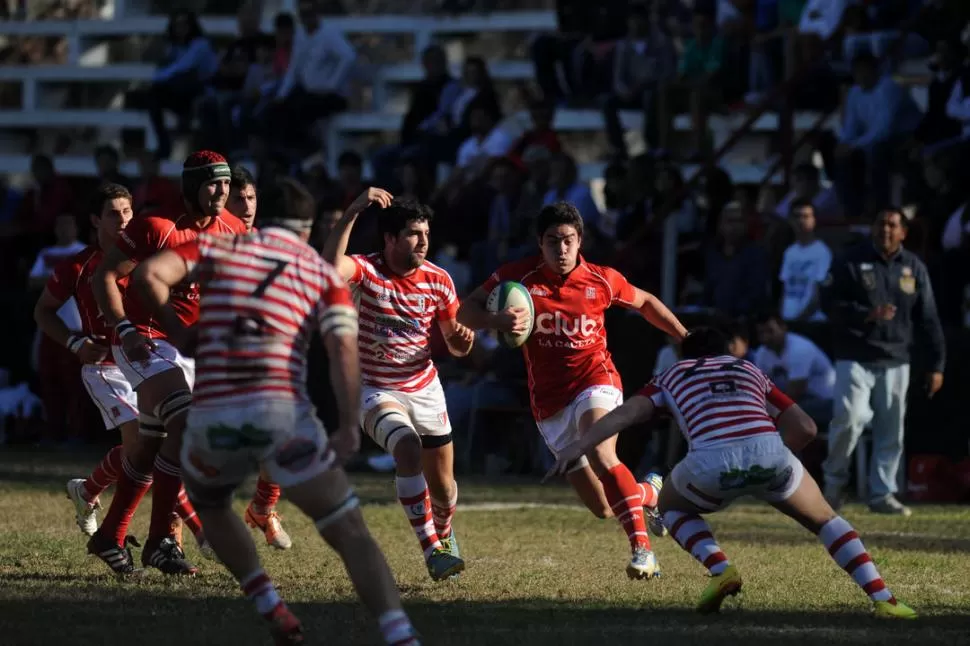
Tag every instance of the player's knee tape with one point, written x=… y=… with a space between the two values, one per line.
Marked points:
x=203 y=497
x=435 y=441
x=175 y=404
x=350 y=503
x=151 y=426
x=578 y=465
x=390 y=426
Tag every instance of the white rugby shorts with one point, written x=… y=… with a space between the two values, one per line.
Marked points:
x=163 y=358
x=110 y=392
x=760 y=466
x=223 y=445
x=426 y=408
x=562 y=428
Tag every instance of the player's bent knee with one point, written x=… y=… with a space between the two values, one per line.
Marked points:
x=175 y=404
x=151 y=426
x=435 y=441
x=390 y=426
x=578 y=465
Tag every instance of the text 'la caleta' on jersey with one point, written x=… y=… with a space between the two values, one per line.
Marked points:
x=263 y=294
x=396 y=314
x=718 y=399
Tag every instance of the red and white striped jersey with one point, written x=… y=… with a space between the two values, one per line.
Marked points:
x=717 y=399
x=261 y=296
x=396 y=313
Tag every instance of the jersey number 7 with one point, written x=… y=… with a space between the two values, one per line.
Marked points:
x=698 y=366
x=252 y=324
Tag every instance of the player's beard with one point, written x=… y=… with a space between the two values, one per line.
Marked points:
x=416 y=259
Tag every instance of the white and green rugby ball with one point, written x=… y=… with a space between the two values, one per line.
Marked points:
x=512 y=294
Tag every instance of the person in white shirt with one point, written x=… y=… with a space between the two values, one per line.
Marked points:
x=317 y=80
x=797 y=366
x=804 y=266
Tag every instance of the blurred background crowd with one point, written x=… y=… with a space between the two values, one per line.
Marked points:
x=673 y=86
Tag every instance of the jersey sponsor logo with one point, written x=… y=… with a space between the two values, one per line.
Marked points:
x=590 y=293
x=578 y=332
x=539 y=290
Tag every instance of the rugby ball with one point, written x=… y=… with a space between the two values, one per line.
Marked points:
x=512 y=294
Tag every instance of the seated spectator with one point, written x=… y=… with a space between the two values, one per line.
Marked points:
x=226 y=88
x=152 y=191
x=350 y=184
x=736 y=272
x=189 y=63
x=565 y=185
x=428 y=113
x=804 y=267
x=937 y=127
x=107 y=160
x=739 y=343
x=317 y=80
x=284 y=37
x=879 y=116
x=699 y=69
x=49 y=196
x=643 y=63
x=487 y=141
x=806 y=182
x=797 y=366
x=541 y=134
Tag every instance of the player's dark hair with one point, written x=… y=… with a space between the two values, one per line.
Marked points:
x=288 y=204
x=107 y=192
x=704 y=342
x=557 y=214
x=391 y=220
x=240 y=178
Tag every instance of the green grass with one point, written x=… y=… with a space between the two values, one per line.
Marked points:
x=537 y=576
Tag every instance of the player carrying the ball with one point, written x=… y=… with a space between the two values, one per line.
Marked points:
x=572 y=380
x=742 y=430
x=403 y=407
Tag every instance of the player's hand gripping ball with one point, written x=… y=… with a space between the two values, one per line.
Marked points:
x=512 y=295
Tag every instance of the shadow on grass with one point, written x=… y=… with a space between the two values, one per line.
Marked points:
x=873 y=540
x=133 y=616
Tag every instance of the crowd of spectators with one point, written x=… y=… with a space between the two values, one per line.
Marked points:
x=749 y=255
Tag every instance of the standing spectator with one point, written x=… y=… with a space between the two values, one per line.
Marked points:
x=736 y=281
x=804 y=267
x=797 y=366
x=318 y=78
x=879 y=116
x=189 y=63
x=879 y=298
x=643 y=63
x=699 y=70
x=225 y=89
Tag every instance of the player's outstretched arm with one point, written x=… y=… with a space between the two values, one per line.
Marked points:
x=104 y=284
x=475 y=315
x=335 y=249
x=458 y=337
x=658 y=314
x=636 y=410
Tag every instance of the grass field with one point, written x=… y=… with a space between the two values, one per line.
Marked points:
x=549 y=574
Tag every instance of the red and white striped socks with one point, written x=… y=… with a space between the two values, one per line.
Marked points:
x=844 y=546
x=626 y=500
x=104 y=475
x=694 y=535
x=443 y=512
x=412 y=492
x=397 y=630
x=260 y=589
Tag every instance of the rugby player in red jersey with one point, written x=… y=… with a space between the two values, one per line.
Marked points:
x=572 y=380
x=263 y=296
x=160 y=375
x=741 y=430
